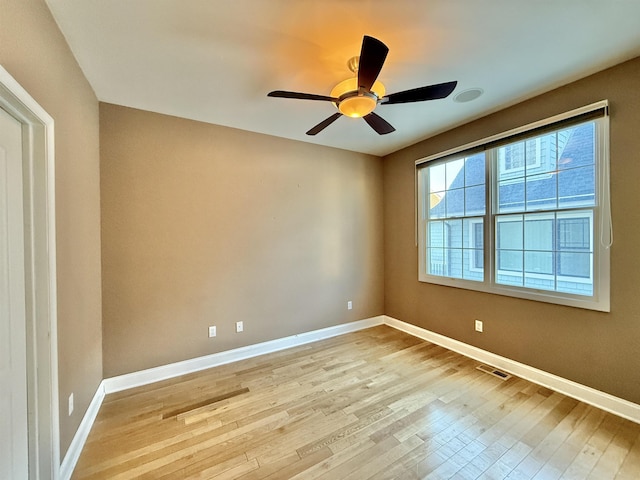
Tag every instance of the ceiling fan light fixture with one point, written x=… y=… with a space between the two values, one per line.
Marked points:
x=354 y=103
x=357 y=106
x=359 y=96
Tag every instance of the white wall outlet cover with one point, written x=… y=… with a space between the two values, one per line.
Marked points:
x=349 y=305
x=479 y=326
x=70 y=404
x=239 y=327
x=212 y=331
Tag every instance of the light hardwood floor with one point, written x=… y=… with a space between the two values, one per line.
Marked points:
x=376 y=404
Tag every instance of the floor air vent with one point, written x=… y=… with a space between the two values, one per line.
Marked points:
x=204 y=403
x=494 y=371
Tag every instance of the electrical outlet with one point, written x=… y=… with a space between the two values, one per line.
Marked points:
x=239 y=327
x=70 y=404
x=349 y=305
x=212 y=331
x=479 y=326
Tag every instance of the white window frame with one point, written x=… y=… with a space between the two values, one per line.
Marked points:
x=602 y=230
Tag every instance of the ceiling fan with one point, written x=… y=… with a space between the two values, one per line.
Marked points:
x=358 y=96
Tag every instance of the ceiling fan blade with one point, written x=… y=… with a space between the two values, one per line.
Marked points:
x=372 y=57
x=324 y=124
x=300 y=96
x=379 y=124
x=431 y=92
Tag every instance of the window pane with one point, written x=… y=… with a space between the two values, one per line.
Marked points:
x=509 y=232
x=574 y=264
x=455 y=203
x=511 y=160
x=473 y=255
x=455 y=174
x=577 y=187
x=451 y=239
x=509 y=254
x=575 y=288
x=539 y=262
x=576 y=146
x=446 y=262
x=454 y=262
x=511 y=196
x=475 y=200
x=435 y=261
x=478 y=235
x=436 y=234
x=541 y=154
x=504 y=278
x=473 y=265
x=473 y=233
x=510 y=260
x=474 y=170
x=453 y=233
x=541 y=192
x=437 y=178
x=477 y=259
x=436 y=205
x=538 y=232
x=574 y=232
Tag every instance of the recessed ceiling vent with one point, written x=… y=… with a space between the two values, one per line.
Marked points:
x=494 y=371
x=468 y=95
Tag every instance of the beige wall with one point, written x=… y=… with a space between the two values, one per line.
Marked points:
x=206 y=225
x=34 y=52
x=596 y=349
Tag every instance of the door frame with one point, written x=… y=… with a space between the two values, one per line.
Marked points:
x=40 y=276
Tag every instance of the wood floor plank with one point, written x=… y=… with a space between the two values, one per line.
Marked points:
x=375 y=404
x=355 y=463
x=631 y=465
x=613 y=457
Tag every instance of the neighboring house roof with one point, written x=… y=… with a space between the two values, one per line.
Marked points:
x=573 y=177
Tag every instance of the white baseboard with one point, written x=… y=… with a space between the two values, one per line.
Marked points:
x=605 y=401
x=144 y=377
x=151 y=375
x=79 y=439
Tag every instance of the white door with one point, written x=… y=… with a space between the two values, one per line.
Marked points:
x=13 y=368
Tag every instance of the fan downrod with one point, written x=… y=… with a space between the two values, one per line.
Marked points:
x=353 y=64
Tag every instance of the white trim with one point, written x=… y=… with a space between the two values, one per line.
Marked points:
x=151 y=375
x=80 y=438
x=589 y=395
x=602 y=400
x=609 y=403
x=40 y=274
x=145 y=377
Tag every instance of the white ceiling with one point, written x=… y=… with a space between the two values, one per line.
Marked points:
x=216 y=60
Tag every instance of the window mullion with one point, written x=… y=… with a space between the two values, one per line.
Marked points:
x=491 y=190
x=422 y=234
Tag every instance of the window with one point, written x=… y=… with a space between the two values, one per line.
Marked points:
x=457 y=208
x=522 y=214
